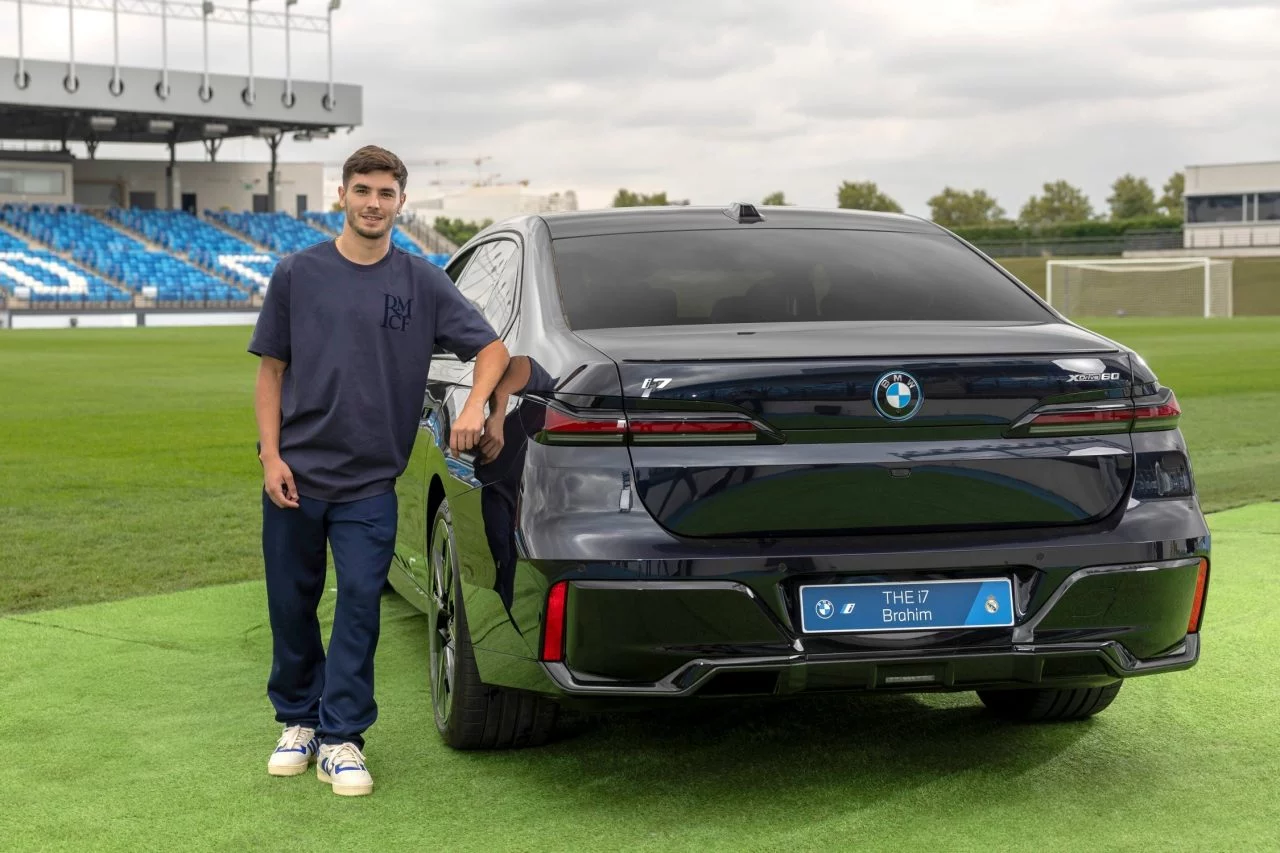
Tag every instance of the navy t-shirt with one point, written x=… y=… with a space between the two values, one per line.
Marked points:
x=358 y=341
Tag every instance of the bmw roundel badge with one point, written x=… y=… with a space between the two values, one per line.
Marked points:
x=898 y=396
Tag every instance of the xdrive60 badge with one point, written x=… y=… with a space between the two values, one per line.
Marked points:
x=898 y=396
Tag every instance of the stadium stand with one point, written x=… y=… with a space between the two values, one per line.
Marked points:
x=43 y=277
x=160 y=256
x=206 y=246
x=279 y=232
x=173 y=279
x=330 y=221
x=107 y=251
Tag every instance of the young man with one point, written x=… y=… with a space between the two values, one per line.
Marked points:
x=345 y=338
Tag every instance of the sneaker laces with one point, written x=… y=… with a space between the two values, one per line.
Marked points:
x=294 y=737
x=348 y=751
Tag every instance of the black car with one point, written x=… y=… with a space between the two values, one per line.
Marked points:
x=766 y=451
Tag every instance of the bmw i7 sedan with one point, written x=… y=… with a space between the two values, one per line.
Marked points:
x=749 y=452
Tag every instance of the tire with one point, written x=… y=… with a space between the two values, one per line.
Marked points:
x=470 y=714
x=1049 y=705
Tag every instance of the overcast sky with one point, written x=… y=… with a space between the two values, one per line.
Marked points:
x=721 y=100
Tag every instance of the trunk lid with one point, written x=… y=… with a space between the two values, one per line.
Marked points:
x=908 y=427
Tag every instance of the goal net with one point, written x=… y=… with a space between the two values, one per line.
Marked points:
x=1147 y=287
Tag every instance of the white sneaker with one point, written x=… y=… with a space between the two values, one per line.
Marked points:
x=342 y=765
x=294 y=753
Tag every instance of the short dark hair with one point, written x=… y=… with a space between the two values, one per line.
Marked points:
x=371 y=158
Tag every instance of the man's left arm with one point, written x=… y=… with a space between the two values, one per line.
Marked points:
x=467 y=428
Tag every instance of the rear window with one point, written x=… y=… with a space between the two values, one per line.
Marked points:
x=780 y=276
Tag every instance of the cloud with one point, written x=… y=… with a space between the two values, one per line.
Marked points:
x=717 y=100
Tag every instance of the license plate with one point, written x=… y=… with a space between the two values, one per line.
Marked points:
x=910 y=606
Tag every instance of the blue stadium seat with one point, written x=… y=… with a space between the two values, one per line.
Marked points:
x=100 y=248
x=202 y=244
x=315 y=227
x=179 y=231
x=9 y=243
x=45 y=277
x=66 y=228
x=329 y=220
x=196 y=264
x=405 y=242
x=175 y=278
x=279 y=232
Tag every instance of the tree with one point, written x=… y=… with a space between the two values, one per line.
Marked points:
x=1171 y=201
x=953 y=208
x=1131 y=197
x=777 y=199
x=336 y=207
x=865 y=195
x=458 y=232
x=626 y=198
x=1061 y=202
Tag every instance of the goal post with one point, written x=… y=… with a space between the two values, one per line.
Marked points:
x=1144 y=287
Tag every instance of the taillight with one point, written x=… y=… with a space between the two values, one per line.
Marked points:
x=1197 y=603
x=681 y=428
x=553 y=624
x=562 y=427
x=1109 y=419
x=1162 y=416
x=1106 y=420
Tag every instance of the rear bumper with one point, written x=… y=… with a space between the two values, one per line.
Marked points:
x=1050 y=665
x=680 y=638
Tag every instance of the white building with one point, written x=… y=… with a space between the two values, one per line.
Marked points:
x=1233 y=206
x=497 y=202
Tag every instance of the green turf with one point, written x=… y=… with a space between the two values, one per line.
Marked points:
x=128 y=461
x=142 y=724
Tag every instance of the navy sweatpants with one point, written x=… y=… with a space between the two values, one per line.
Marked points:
x=332 y=694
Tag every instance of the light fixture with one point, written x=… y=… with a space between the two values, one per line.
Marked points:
x=216 y=130
x=335 y=5
x=159 y=125
x=102 y=123
x=268 y=132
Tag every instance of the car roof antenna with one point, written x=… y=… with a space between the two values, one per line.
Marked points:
x=743 y=213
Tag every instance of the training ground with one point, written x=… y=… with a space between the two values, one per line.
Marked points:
x=134 y=652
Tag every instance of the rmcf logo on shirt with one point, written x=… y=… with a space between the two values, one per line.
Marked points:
x=396 y=312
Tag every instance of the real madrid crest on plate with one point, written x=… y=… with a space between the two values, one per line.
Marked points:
x=898 y=396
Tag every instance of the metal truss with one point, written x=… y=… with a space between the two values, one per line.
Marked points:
x=195 y=12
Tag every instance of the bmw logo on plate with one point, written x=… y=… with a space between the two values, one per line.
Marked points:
x=898 y=396
x=825 y=608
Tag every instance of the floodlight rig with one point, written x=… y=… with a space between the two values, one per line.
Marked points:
x=203 y=11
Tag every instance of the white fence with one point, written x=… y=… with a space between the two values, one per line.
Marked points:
x=18 y=320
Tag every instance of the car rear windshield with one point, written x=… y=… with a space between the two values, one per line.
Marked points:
x=742 y=275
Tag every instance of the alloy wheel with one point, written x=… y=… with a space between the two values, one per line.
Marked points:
x=443 y=622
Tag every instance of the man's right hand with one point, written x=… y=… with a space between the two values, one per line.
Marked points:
x=278 y=480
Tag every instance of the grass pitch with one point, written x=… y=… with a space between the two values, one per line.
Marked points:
x=128 y=466
x=128 y=469
x=143 y=724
